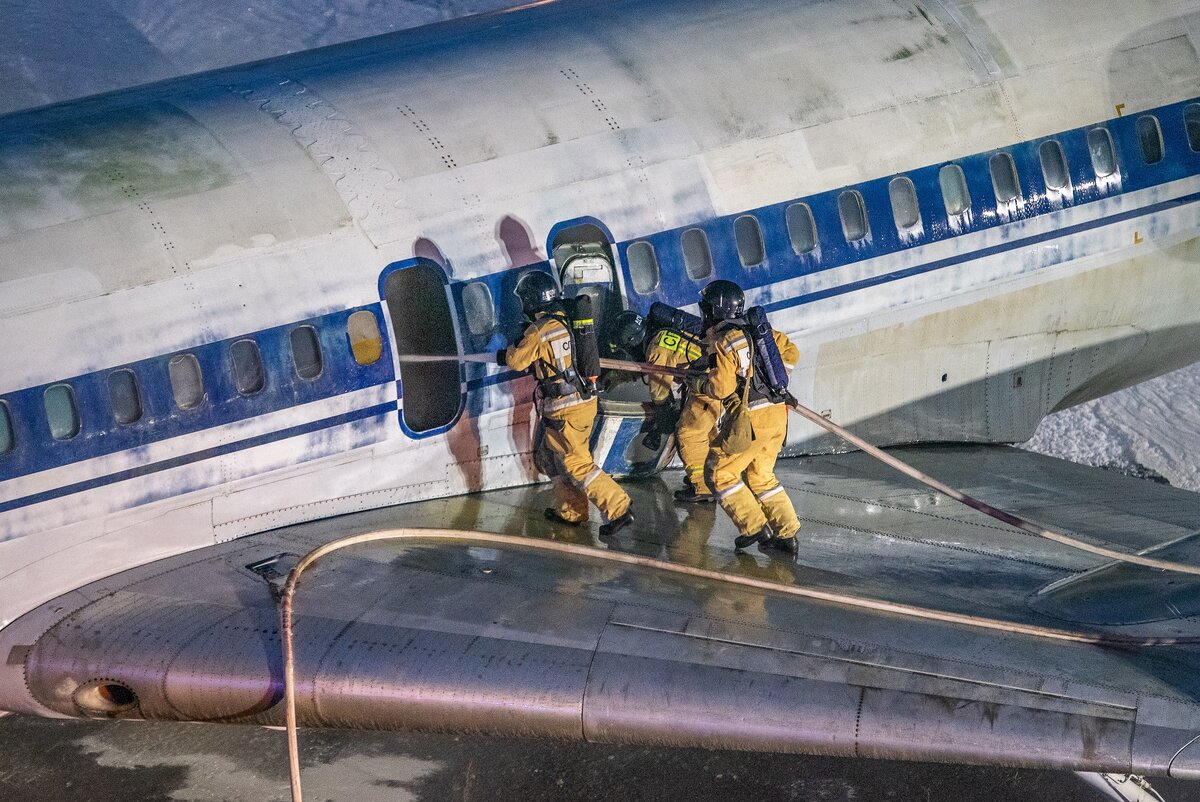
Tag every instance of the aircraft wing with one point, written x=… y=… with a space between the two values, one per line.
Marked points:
x=515 y=641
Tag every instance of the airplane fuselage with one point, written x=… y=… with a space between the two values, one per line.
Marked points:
x=965 y=222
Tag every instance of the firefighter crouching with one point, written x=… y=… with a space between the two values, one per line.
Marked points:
x=757 y=503
x=566 y=403
x=674 y=346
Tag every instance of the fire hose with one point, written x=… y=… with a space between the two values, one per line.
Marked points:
x=796 y=590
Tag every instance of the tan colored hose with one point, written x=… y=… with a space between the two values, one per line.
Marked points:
x=984 y=507
x=927 y=480
x=516 y=542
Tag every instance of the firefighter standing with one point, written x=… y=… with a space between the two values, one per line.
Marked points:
x=567 y=407
x=757 y=504
x=696 y=423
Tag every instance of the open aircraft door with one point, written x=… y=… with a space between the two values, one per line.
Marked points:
x=421 y=320
x=582 y=254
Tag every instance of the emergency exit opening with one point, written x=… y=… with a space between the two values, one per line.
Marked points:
x=584 y=259
x=423 y=324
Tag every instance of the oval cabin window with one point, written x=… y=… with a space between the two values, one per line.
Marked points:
x=7 y=440
x=697 y=258
x=643 y=267
x=187 y=383
x=61 y=412
x=955 y=194
x=248 y=374
x=802 y=230
x=905 y=210
x=854 y=215
x=748 y=234
x=1054 y=165
x=478 y=308
x=1150 y=138
x=306 y=352
x=366 y=343
x=1005 y=183
x=124 y=397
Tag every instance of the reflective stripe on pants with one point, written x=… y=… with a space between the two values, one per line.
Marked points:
x=577 y=478
x=759 y=500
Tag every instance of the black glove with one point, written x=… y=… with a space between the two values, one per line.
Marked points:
x=502 y=357
x=663 y=419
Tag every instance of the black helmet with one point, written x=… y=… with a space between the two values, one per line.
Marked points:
x=721 y=300
x=537 y=291
x=627 y=333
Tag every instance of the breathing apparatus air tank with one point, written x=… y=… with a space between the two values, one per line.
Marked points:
x=663 y=316
x=587 y=346
x=769 y=367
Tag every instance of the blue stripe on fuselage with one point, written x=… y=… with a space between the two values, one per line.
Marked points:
x=36 y=451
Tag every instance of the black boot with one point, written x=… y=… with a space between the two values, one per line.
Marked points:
x=616 y=524
x=746 y=541
x=552 y=515
x=787 y=545
x=688 y=495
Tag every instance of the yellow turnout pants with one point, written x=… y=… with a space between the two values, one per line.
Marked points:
x=693 y=436
x=567 y=459
x=759 y=499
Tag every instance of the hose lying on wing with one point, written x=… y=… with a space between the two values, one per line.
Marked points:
x=887 y=459
x=518 y=542
x=930 y=482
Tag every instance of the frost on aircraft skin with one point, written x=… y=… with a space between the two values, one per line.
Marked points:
x=104 y=163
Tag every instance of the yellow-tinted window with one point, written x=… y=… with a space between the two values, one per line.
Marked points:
x=365 y=342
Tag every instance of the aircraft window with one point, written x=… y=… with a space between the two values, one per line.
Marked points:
x=124 y=396
x=1054 y=165
x=248 y=374
x=802 y=231
x=697 y=259
x=1191 y=122
x=187 y=383
x=61 y=412
x=1005 y=182
x=478 y=308
x=1150 y=138
x=423 y=323
x=643 y=267
x=904 y=202
x=306 y=352
x=365 y=341
x=748 y=234
x=854 y=215
x=6 y=433
x=955 y=194
x=1104 y=157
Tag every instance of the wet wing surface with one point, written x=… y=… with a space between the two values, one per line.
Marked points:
x=514 y=641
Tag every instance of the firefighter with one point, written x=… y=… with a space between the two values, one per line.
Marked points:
x=757 y=503
x=695 y=424
x=566 y=404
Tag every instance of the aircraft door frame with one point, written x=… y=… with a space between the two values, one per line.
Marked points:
x=406 y=290
x=558 y=249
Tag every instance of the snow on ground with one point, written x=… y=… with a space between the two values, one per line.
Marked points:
x=1150 y=430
